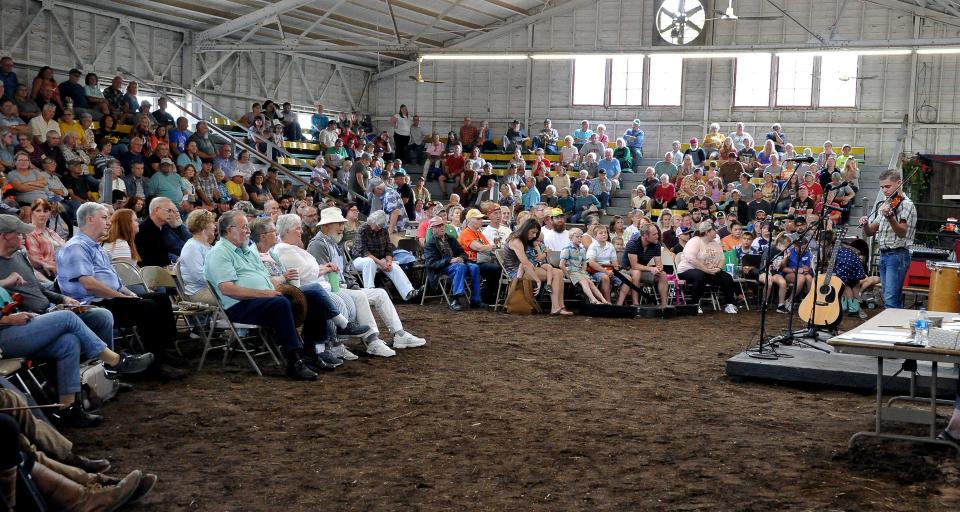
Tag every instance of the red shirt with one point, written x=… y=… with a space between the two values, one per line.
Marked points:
x=454 y=164
x=816 y=191
x=468 y=135
x=665 y=193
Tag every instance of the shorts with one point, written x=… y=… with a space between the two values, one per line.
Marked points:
x=614 y=280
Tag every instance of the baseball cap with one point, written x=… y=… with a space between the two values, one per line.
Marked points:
x=556 y=212
x=247 y=208
x=474 y=213
x=694 y=140
x=437 y=221
x=12 y=224
x=166 y=161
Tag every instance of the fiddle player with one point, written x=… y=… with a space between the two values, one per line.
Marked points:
x=893 y=223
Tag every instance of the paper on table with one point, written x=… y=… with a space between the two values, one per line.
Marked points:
x=861 y=336
x=887 y=333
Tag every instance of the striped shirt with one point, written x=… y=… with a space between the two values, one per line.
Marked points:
x=885 y=237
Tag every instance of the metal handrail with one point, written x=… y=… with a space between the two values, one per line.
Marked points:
x=252 y=150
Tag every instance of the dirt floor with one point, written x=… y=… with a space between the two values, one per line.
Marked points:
x=561 y=414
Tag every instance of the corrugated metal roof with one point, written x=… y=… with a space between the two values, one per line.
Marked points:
x=422 y=24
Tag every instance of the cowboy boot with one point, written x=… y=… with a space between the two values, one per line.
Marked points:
x=8 y=487
x=61 y=493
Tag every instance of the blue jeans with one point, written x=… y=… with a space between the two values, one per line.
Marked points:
x=458 y=272
x=604 y=198
x=60 y=336
x=893 y=269
x=275 y=313
x=100 y=321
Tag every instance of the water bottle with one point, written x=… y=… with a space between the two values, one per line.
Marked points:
x=922 y=327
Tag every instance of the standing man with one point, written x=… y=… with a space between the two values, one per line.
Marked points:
x=8 y=77
x=634 y=138
x=893 y=221
x=468 y=135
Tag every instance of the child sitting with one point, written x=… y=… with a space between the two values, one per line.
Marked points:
x=572 y=261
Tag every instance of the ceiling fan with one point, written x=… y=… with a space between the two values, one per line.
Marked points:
x=419 y=78
x=728 y=14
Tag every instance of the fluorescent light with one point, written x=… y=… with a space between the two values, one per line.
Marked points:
x=937 y=51
x=708 y=55
x=852 y=51
x=474 y=56
x=573 y=56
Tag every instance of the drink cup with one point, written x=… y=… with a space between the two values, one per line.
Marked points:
x=334 y=278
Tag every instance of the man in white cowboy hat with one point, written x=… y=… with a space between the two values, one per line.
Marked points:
x=325 y=247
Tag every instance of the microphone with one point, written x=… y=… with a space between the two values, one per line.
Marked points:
x=831 y=186
x=801 y=159
x=835 y=208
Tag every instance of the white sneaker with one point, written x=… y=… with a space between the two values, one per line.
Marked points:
x=342 y=352
x=408 y=341
x=730 y=308
x=699 y=310
x=378 y=348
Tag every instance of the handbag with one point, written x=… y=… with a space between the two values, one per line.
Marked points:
x=96 y=387
x=520 y=300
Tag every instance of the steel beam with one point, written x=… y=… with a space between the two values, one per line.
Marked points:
x=321 y=19
x=434 y=21
x=251 y=18
x=911 y=7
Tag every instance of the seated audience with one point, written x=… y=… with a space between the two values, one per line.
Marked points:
x=443 y=254
x=702 y=263
x=642 y=260
x=521 y=261
x=373 y=251
x=84 y=273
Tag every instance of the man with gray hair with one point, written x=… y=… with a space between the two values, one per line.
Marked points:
x=150 y=240
x=389 y=200
x=248 y=295
x=44 y=123
x=84 y=272
x=373 y=251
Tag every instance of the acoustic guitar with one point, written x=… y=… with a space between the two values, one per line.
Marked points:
x=826 y=294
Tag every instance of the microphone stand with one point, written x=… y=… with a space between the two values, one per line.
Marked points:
x=759 y=352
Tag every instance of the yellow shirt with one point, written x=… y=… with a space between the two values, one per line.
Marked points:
x=713 y=139
x=73 y=128
x=235 y=190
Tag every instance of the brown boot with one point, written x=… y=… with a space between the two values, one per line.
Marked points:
x=8 y=486
x=64 y=494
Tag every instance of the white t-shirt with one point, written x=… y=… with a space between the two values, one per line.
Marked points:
x=606 y=255
x=491 y=233
x=709 y=253
x=403 y=126
x=556 y=241
x=291 y=256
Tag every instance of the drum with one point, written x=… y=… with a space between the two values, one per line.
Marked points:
x=944 y=287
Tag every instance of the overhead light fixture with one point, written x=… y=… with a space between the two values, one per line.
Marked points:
x=851 y=51
x=937 y=51
x=474 y=56
x=572 y=56
x=710 y=55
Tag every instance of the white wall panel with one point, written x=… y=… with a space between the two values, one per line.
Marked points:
x=882 y=92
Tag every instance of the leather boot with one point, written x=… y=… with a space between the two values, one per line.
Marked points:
x=8 y=486
x=64 y=494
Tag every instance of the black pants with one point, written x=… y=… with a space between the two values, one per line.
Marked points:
x=401 y=142
x=697 y=280
x=9 y=449
x=490 y=272
x=152 y=314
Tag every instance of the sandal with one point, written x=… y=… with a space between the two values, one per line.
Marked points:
x=562 y=312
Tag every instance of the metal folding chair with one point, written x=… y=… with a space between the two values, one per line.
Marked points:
x=238 y=334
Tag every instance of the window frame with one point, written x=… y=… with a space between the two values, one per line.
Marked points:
x=856 y=89
x=814 y=87
x=644 y=68
x=771 y=82
x=605 y=99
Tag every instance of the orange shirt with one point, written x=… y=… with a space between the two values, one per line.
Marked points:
x=468 y=235
x=730 y=242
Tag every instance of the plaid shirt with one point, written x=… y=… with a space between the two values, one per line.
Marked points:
x=208 y=184
x=114 y=98
x=390 y=201
x=372 y=242
x=885 y=237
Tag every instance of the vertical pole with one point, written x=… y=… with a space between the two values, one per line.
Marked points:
x=879 y=393
x=529 y=98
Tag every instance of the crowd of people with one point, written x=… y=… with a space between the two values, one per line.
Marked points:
x=144 y=189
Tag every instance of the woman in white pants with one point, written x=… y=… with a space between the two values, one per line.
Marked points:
x=373 y=251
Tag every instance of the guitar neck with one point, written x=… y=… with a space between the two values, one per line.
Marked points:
x=833 y=254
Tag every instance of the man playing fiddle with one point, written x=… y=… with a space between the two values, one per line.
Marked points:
x=893 y=222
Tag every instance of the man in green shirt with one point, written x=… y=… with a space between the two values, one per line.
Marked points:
x=167 y=183
x=242 y=283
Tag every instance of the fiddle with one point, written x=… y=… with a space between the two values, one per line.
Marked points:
x=9 y=308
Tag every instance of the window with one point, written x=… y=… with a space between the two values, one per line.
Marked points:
x=794 y=80
x=838 y=80
x=752 y=81
x=589 y=80
x=626 y=80
x=665 y=80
